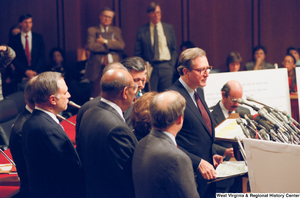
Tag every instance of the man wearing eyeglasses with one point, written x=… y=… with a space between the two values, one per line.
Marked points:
x=107 y=143
x=196 y=137
x=231 y=91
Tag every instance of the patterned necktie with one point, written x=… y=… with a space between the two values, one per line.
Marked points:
x=204 y=113
x=27 y=51
x=155 y=45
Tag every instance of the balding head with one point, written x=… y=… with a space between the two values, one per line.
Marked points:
x=231 y=91
x=166 y=108
x=117 y=86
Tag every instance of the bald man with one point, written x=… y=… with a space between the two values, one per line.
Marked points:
x=107 y=143
x=159 y=168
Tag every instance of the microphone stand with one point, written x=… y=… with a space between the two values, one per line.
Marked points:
x=12 y=162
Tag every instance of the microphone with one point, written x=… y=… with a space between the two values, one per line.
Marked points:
x=241 y=101
x=243 y=114
x=240 y=122
x=63 y=118
x=249 y=98
x=291 y=119
x=73 y=104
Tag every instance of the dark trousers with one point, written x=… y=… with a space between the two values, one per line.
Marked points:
x=161 y=77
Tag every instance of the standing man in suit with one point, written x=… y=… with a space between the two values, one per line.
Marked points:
x=15 y=140
x=197 y=135
x=156 y=43
x=159 y=168
x=54 y=168
x=30 y=51
x=103 y=49
x=107 y=143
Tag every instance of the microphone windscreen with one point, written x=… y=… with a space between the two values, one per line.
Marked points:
x=243 y=113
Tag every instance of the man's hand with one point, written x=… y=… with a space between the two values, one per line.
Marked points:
x=217 y=159
x=207 y=170
x=229 y=152
x=30 y=73
x=3 y=48
x=101 y=40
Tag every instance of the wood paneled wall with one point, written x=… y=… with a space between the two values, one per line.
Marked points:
x=217 y=26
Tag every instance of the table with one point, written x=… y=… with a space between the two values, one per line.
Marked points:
x=10 y=183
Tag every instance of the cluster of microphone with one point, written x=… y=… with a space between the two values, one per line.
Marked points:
x=268 y=124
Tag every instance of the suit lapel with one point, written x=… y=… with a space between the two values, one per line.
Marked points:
x=218 y=114
x=191 y=105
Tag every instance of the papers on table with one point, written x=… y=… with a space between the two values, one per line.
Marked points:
x=231 y=168
x=229 y=129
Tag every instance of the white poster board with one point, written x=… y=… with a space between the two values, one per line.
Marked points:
x=298 y=84
x=272 y=167
x=268 y=86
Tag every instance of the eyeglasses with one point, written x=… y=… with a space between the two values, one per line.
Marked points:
x=135 y=88
x=233 y=100
x=289 y=62
x=204 y=69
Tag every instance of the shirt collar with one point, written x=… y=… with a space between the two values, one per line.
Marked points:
x=152 y=24
x=102 y=28
x=172 y=137
x=224 y=110
x=52 y=115
x=188 y=89
x=28 y=33
x=113 y=105
x=28 y=108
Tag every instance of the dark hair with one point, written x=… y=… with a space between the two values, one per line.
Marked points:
x=24 y=17
x=10 y=35
x=187 y=45
x=293 y=48
x=259 y=47
x=226 y=89
x=233 y=57
x=135 y=63
x=151 y=7
x=56 y=49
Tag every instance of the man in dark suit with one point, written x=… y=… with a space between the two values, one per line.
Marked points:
x=159 y=168
x=197 y=134
x=231 y=91
x=30 y=50
x=156 y=43
x=103 y=50
x=15 y=140
x=107 y=143
x=54 y=168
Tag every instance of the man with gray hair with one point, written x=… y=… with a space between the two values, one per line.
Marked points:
x=107 y=143
x=159 y=168
x=197 y=135
x=54 y=168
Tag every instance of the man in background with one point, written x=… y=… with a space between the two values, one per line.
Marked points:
x=156 y=43
x=159 y=168
x=105 y=44
x=30 y=51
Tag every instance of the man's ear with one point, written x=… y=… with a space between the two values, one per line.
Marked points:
x=184 y=71
x=223 y=94
x=180 y=119
x=52 y=100
x=124 y=93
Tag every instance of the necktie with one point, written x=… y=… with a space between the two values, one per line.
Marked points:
x=203 y=111
x=155 y=45
x=229 y=112
x=27 y=52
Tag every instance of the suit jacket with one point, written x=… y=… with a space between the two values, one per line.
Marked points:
x=194 y=137
x=107 y=146
x=218 y=117
x=54 y=168
x=37 y=55
x=161 y=170
x=94 y=65
x=143 y=47
x=86 y=106
x=15 y=145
